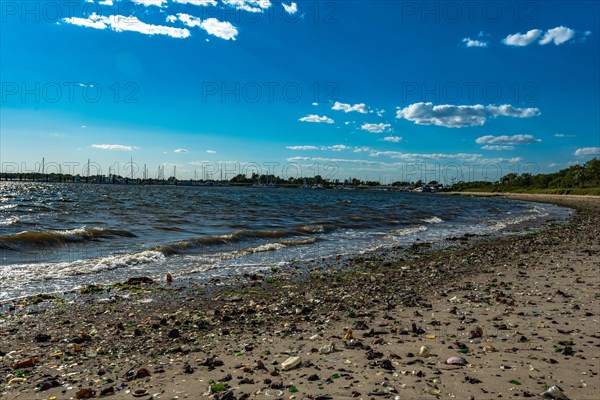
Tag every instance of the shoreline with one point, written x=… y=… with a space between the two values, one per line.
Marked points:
x=267 y=320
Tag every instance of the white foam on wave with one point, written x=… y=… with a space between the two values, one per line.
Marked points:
x=433 y=220
x=13 y=275
x=407 y=231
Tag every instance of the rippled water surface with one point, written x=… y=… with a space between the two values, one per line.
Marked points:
x=56 y=237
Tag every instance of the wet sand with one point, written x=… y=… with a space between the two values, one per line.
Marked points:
x=522 y=312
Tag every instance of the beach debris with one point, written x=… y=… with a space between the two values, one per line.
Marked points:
x=424 y=351
x=85 y=393
x=554 y=392
x=488 y=348
x=49 y=384
x=456 y=361
x=173 y=334
x=328 y=348
x=169 y=279
x=215 y=387
x=476 y=333
x=274 y=392
x=140 y=280
x=42 y=337
x=142 y=373
x=30 y=362
x=291 y=363
x=417 y=330
x=109 y=391
x=139 y=393
x=348 y=335
x=316 y=336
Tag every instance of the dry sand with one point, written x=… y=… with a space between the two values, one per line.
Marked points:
x=523 y=312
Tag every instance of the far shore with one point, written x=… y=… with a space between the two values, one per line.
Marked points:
x=484 y=319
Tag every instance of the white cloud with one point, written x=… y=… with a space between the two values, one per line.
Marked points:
x=333 y=160
x=171 y=18
x=558 y=35
x=361 y=108
x=504 y=140
x=338 y=147
x=302 y=147
x=118 y=147
x=181 y=151
x=496 y=147
x=553 y=165
x=317 y=119
x=451 y=116
x=392 y=139
x=106 y=3
x=474 y=43
x=120 y=23
x=211 y=151
x=376 y=128
x=93 y=21
x=148 y=3
x=248 y=5
x=588 y=151
x=221 y=29
x=189 y=20
x=362 y=149
x=203 y=3
x=506 y=110
x=562 y=135
x=519 y=39
x=426 y=156
x=212 y=26
x=315 y=104
x=291 y=8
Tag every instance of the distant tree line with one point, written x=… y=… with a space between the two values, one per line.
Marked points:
x=586 y=176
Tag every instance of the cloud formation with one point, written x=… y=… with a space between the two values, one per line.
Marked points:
x=212 y=26
x=559 y=35
x=317 y=119
x=307 y=147
x=519 y=39
x=587 y=151
x=451 y=116
x=506 y=140
x=376 y=128
x=203 y=3
x=149 y=3
x=248 y=5
x=392 y=139
x=474 y=43
x=118 y=147
x=181 y=151
x=221 y=29
x=120 y=23
x=496 y=147
x=360 y=108
x=291 y=8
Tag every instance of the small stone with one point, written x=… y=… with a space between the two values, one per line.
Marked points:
x=85 y=393
x=42 y=337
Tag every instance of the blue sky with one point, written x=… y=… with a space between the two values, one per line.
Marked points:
x=370 y=89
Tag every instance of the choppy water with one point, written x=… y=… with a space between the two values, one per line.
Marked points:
x=56 y=237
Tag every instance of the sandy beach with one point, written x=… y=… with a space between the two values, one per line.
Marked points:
x=482 y=319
